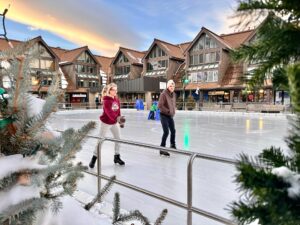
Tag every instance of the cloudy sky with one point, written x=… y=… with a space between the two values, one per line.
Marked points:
x=104 y=25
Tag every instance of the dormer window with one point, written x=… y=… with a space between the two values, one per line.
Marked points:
x=122 y=59
x=42 y=58
x=204 y=42
x=156 y=52
x=85 y=58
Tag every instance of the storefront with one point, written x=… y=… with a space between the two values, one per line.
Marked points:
x=217 y=96
x=78 y=97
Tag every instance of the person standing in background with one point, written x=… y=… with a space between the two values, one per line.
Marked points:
x=167 y=107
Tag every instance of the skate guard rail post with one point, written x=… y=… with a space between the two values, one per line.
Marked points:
x=187 y=206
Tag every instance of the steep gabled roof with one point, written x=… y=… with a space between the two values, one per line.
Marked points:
x=69 y=56
x=4 y=44
x=134 y=56
x=104 y=62
x=238 y=38
x=59 y=51
x=229 y=41
x=207 y=31
x=171 y=50
x=184 y=46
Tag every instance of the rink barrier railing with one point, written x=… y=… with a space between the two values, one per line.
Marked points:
x=86 y=105
x=218 y=107
x=192 y=155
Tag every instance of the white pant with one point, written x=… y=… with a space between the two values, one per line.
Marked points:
x=115 y=130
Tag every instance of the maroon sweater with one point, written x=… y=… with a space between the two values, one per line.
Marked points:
x=111 y=110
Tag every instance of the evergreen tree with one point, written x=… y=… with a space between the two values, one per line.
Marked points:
x=277 y=38
x=34 y=159
x=271 y=182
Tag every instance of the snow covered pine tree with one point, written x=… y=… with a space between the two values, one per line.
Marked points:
x=36 y=164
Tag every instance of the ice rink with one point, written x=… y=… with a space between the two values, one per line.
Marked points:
x=219 y=134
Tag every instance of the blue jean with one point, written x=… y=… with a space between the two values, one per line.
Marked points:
x=167 y=123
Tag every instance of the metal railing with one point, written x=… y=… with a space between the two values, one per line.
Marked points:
x=87 y=105
x=192 y=155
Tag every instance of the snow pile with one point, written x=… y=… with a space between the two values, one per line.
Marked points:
x=290 y=177
x=17 y=195
x=72 y=213
x=15 y=163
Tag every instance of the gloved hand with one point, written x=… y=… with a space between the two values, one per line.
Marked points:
x=121 y=120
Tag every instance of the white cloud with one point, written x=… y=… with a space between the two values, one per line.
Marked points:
x=32 y=28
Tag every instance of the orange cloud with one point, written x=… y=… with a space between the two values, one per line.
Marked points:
x=71 y=30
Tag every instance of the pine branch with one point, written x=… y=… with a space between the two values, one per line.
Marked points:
x=134 y=215
x=119 y=218
x=161 y=217
x=27 y=209
x=116 y=208
x=104 y=191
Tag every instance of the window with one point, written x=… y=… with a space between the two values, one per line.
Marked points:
x=122 y=70
x=207 y=58
x=196 y=59
x=80 y=83
x=81 y=58
x=91 y=69
x=43 y=51
x=201 y=58
x=217 y=56
x=49 y=81
x=216 y=75
x=149 y=67
x=212 y=57
x=191 y=60
x=89 y=59
x=163 y=63
x=156 y=52
x=47 y=64
x=204 y=76
x=204 y=42
x=122 y=59
x=82 y=69
x=35 y=63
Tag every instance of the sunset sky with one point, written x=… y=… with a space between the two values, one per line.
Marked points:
x=104 y=25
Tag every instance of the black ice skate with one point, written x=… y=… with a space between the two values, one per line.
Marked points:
x=165 y=153
x=93 y=161
x=118 y=160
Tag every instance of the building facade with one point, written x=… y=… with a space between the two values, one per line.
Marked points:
x=43 y=67
x=208 y=67
x=82 y=72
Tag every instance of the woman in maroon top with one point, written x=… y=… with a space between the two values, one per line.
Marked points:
x=111 y=119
